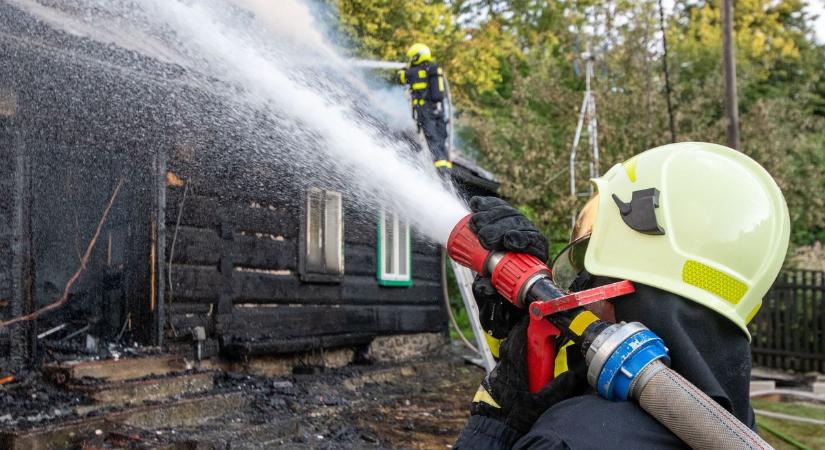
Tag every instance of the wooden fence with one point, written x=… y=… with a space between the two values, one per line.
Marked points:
x=789 y=331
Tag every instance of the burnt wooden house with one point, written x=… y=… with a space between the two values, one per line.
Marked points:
x=264 y=263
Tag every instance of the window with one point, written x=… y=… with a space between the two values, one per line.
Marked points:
x=322 y=255
x=394 y=255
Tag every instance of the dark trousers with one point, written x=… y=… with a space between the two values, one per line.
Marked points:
x=435 y=131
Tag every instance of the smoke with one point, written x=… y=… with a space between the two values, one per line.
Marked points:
x=272 y=63
x=293 y=20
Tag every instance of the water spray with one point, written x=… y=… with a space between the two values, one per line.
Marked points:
x=624 y=360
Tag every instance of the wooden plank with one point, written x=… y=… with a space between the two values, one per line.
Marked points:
x=195 y=246
x=791 y=321
x=265 y=253
x=308 y=320
x=818 y=315
x=426 y=268
x=771 y=321
x=182 y=413
x=423 y=246
x=803 y=325
x=185 y=322
x=264 y=288
x=55 y=436
x=199 y=284
x=241 y=348
x=188 y=308
x=210 y=212
x=196 y=284
x=114 y=370
x=146 y=390
x=277 y=221
x=362 y=260
x=198 y=211
x=204 y=246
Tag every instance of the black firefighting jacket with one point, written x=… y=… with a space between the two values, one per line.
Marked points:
x=707 y=349
x=426 y=81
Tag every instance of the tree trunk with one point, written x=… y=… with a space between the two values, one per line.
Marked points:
x=729 y=67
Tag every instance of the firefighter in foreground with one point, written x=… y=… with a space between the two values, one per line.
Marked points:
x=427 y=88
x=701 y=230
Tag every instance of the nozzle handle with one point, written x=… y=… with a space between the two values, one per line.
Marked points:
x=464 y=247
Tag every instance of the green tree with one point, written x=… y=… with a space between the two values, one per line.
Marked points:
x=517 y=79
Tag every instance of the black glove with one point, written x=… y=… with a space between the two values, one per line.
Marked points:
x=497 y=315
x=504 y=394
x=500 y=227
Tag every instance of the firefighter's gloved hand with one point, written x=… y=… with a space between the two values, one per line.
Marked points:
x=438 y=110
x=497 y=315
x=500 y=227
x=504 y=394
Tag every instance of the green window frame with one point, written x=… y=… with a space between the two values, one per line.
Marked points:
x=394 y=259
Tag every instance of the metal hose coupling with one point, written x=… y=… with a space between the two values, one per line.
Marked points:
x=618 y=356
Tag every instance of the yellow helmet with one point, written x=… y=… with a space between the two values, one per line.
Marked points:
x=418 y=53
x=699 y=220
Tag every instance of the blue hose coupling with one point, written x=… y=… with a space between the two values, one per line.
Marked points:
x=618 y=356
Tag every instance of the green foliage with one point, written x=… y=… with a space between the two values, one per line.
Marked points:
x=517 y=75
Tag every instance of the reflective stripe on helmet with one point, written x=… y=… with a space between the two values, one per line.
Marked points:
x=443 y=163
x=714 y=281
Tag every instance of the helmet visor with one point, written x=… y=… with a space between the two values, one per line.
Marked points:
x=569 y=263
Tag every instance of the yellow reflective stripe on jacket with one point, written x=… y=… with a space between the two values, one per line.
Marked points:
x=419 y=86
x=422 y=74
x=482 y=396
x=494 y=344
x=441 y=84
x=402 y=76
x=443 y=163
x=418 y=101
x=440 y=71
x=561 y=360
x=581 y=322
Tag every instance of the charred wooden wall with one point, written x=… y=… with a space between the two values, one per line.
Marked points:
x=235 y=271
x=75 y=131
x=13 y=243
x=87 y=115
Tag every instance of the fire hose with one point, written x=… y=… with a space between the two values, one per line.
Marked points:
x=624 y=361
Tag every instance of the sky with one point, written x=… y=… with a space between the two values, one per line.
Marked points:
x=818 y=7
x=814 y=7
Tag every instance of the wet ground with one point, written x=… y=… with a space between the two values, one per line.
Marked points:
x=418 y=404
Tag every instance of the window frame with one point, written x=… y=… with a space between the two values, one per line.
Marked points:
x=392 y=279
x=325 y=274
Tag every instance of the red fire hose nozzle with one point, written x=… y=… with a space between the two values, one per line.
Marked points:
x=523 y=279
x=512 y=274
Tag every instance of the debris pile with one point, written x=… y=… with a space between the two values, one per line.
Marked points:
x=29 y=401
x=160 y=401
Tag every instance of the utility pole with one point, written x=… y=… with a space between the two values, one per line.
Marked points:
x=587 y=113
x=729 y=67
x=667 y=73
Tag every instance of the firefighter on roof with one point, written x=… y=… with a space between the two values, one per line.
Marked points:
x=427 y=87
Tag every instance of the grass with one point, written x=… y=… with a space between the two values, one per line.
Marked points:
x=809 y=435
